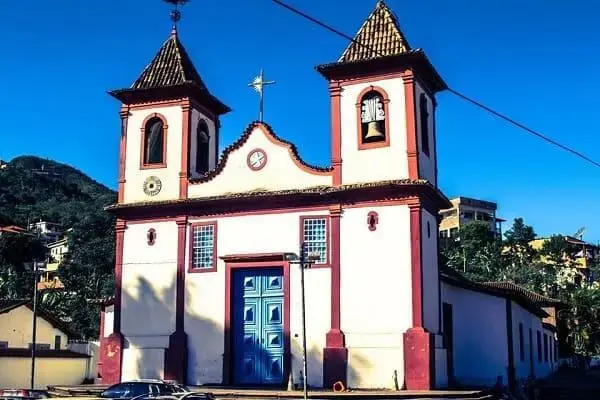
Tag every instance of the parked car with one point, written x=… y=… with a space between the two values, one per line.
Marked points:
x=146 y=387
x=178 y=396
x=22 y=394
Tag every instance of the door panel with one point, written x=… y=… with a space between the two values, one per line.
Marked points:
x=258 y=348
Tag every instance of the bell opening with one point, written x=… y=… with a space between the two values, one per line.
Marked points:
x=373 y=131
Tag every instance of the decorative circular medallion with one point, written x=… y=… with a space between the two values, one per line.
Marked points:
x=152 y=186
x=257 y=159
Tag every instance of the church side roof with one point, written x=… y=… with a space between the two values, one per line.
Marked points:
x=170 y=67
x=379 y=36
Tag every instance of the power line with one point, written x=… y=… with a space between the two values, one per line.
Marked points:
x=454 y=92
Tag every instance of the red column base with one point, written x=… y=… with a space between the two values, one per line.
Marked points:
x=176 y=358
x=111 y=354
x=419 y=372
x=335 y=359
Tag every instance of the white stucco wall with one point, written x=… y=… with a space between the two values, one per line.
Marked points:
x=376 y=301
x=169 y=176
x=375 y=164
x=540 y=369
x=429 y=259
x=205 y=300
x=427 y=164
x=148 y=297
x=280 y=171
x=15 y=328
x=213 y=146
x=480 y=342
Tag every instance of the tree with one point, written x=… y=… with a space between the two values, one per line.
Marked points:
x=519 y=233
x=17 y=252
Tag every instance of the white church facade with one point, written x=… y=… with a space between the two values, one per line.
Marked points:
x=205 y=290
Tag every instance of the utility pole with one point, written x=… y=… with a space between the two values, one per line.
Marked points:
x=303 y=257
x=34 y=329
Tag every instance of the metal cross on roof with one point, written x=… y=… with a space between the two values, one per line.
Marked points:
x=176 y=14
x=259 y=84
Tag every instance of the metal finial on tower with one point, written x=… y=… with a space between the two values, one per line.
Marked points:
x=175 y=13
x=259 y=84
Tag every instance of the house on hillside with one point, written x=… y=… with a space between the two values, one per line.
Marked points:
x=579 y=253
x=57 y=252
x=48 y=231
x=55 y=363
x=11 y=229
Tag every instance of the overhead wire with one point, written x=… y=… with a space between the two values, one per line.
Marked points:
x=454 y=92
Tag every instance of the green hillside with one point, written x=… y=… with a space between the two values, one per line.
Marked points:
x=33 y=189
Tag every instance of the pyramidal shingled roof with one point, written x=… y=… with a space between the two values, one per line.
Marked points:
x=170 y=67
x=379 y=36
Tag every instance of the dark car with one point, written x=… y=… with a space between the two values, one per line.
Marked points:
x=152 y=388
x=22 y=394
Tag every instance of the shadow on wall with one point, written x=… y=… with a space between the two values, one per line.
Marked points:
x=206 y=342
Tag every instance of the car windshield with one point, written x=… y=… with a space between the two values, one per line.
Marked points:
x=126 y=390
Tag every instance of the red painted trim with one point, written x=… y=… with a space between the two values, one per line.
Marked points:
x=412 y=151
x=429 y=206
x=335 y=92
x=124 y=114
x=327 y=235
x=119 y=233
x=182 y=224
x=230 y=267
x=175 y=362
x=386 y=101
x=261 y=166
x=372 y=220
x=335 y=355
x=254 y=257
x=191 y=269
x=151 y=236
x=184 y=174
x=416 y=267
x=143 y=142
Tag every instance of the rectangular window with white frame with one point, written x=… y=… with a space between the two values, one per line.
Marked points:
x=203 y=247
x=314 y=231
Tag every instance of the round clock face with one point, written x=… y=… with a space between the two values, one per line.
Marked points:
x=152 y=186
x=257 y=159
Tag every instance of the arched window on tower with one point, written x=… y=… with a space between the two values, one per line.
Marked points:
x=202 y=148
x=424 y=115
x=372 y=117
x=154 y=142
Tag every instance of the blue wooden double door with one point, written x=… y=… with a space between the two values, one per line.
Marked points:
x=258 y=326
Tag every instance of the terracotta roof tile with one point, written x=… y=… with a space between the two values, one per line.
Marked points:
x=170 y=67
x=532 y=296
x=379 y=36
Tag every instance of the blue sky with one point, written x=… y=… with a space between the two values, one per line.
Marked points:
x=536 y=61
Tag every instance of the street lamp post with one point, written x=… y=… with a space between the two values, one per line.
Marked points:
x=36 y=271
x=305 y=260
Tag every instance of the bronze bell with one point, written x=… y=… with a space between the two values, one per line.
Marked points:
x=373 y=131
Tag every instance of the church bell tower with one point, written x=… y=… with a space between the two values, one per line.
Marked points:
x=382 y=106
x=170 y=127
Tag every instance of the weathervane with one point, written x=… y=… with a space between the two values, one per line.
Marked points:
x=176 y=14
x=259 y=84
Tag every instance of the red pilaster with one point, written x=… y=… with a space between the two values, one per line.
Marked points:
x=185 y=149
x=335 y=354
x=418 y=343
x=112 y=346
x=412 y=151
x=176 y=354
x=335 y=91
x=122 y=153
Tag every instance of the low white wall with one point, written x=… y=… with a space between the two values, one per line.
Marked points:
x=92 y=349
x=15 y=372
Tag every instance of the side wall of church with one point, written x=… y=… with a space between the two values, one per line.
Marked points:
x=541 y=368
x=427 y=162
x=376 y=164
x=376 y=300
x=169 y=175
x=479 y=331
x=213 y=145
